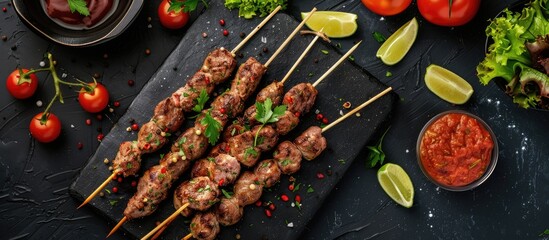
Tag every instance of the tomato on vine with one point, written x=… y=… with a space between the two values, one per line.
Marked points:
x=387 y=7
x=21 y=87
x=449 y=13
x=45 y=127
x=172 y=14
x=94 y=98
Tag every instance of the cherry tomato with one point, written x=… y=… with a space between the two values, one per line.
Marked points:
x=438 y=11
x=386 y=7
x=96 y=100
x=21 y=88
x=45 y=131
x=172 y=19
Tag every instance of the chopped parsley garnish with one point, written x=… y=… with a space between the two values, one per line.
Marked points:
x=79 y=6
x=379 y=37
x=213 y=128
x=227 y=194
x=201 y=100
x=266 y=114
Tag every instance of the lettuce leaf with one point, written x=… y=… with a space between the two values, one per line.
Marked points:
x=507 y=54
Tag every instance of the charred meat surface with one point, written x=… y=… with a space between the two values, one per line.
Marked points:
x=248 y=188
x=288 y=157
x=151 y=138
x=219 y=63
x=205 y=226
x=286 y=123
x=168 y=116
x=267 y=172
x=128 y=159
x=228 y=211
x=242 y=148
x=247 y=78
x=151 y=190
x=200 y=192
x=222 y=169
x=274 y=91
x=267 y=137
x=191 y=144
x=300 y=98
x=311 y=143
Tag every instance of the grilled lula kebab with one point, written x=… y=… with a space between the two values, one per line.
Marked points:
x=192 y=143
x=222 y=166
x=168 y=115
x=249 y=187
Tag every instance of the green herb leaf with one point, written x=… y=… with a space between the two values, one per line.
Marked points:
x=265 y=114
x=201 y=100
x=376 y=154
x=79 y=6
x=379 y=37
x=227 y=194
x=324 y=51
x=185 y=6
x=213 y=128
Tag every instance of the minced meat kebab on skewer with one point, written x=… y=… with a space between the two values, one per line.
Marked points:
x=248 y=188
x=153 y=186
x=222 y=166
x=169 y=113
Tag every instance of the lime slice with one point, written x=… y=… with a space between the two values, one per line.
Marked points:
x=397 y=45
x=335 y=24
x=396 y=183
x=447 y=85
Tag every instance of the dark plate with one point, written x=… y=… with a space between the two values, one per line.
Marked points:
x=345 y=141
x=501 y=83
x=34 y=16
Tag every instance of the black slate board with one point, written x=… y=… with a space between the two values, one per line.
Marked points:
x=347 y=83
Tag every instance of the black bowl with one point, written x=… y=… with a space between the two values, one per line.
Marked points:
x=33 y=15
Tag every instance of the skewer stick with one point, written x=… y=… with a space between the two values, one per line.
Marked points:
x=189 y=236
x=167 y=221
x=118 y=225
x=345 y=56
x=289 y=38
x=326 y=128
x=97 y=190
x=255 y=30
x=299 y=60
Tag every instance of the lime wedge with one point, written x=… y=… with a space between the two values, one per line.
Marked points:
x=397 y=45
x=396 y=183
x=447 y=85
x=335 y=24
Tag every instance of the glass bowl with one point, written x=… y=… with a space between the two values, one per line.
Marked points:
x=34 y=16
x=447 y=168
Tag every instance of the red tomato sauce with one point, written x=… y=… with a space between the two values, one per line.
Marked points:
x=456 y=149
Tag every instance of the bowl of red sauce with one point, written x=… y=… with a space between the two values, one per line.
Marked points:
x=457 y=150
x=56 y=21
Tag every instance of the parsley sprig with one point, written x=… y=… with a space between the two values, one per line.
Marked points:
x=265 y=114
x=201 y=100
x=376 y=154
x=79 y=6
x=185 y=6
x=213 y=128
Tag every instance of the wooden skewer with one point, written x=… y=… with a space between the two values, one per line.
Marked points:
x=289 y=73
x=98 y=189
x=167 y=221
x=326 y=128
x=337 y=64
x=296 y=30
x=118 y=225
x=189 y=236
x=255 y=30
x=176 y=213
x=244 y=41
